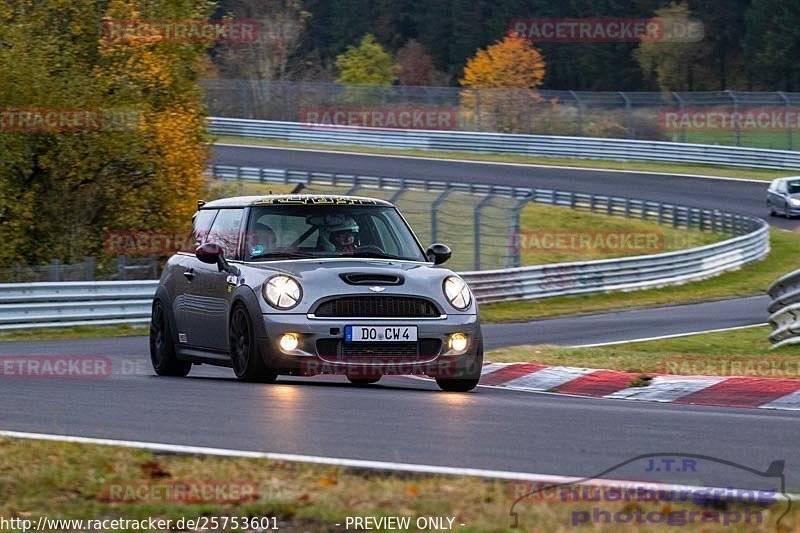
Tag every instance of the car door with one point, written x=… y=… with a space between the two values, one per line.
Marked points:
x=186 y=308
x=214 y=292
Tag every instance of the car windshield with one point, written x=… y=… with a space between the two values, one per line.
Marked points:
x=793 y=187
x=309 y=231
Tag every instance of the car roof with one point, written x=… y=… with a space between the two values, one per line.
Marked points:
x=294 y=199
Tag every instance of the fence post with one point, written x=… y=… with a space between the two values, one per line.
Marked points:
x=786 y=105
x=55 y=270
x=737 y=130
x=628 y=126
x=580 y=112
x=396 y=196
x=476 y=228
x=681 y=106
x=435 y=213
x=516 y=252
x=89 y=268
x=121 y=267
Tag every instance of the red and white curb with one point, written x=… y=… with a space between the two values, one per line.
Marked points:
x=745 y=392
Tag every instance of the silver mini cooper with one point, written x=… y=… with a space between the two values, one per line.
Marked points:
x=305 y=285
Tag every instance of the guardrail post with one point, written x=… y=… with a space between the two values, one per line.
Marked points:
x=674 y=216
x=476 y=228
x=627 y=208
x=435 y=213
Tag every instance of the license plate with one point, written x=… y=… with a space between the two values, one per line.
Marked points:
x=380 y=333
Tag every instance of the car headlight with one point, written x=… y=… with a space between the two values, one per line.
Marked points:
x=282 y=292
x=457 y=293
x=795 y=201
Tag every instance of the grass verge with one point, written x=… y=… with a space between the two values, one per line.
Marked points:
x=663 y=168
x=736 y=352
x=75 y=332
x=77 y=481
x=749 y=280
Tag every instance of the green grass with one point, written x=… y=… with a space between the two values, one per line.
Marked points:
x=73 y=481
x=703 y=354
x=548 y=223
x=74 y=332
x=665 y=168
x=773 y=140
x=751 y=279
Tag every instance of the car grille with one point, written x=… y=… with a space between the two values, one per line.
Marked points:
x=338 y=350
x=377 y=307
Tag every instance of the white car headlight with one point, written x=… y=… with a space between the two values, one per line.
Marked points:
x=457 y=293
x=795 y=201
x=282 y=292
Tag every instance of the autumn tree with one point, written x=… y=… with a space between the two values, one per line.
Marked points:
x=500 y=84
x=415 y=66
x=366 y=64
x=282 y=24
x=675 y=64
x=62 y=190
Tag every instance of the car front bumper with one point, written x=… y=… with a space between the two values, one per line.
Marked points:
x=321 y=348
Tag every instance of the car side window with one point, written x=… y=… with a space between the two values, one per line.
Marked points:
x=226 y=229
x=201 y=224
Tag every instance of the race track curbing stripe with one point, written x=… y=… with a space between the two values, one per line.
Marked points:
x=721 y=391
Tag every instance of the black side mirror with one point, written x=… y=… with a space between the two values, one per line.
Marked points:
x=438 y=253
x=213 y=254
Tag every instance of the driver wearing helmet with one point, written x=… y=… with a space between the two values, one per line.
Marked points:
x=344 y=236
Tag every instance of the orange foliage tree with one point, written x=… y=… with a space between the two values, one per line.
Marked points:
x=500 y=82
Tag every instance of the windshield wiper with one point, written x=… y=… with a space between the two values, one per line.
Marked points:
x=281 y=255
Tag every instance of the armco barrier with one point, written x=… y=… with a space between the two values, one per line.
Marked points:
x=506 y=143
x=32 y=305
x=75 y=303
x=785 y=310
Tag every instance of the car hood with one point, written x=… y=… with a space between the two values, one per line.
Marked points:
x=323 y=278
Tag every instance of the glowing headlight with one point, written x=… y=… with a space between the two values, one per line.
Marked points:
x=457 y=342
x=795 y=201
x=282 y=292
x=289 y=342
x=457 y=293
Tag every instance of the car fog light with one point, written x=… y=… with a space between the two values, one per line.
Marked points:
x=289 y=342
x=457 y=342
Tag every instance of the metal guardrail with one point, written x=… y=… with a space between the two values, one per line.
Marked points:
x=785 y=310
x=36 y=305
x=500 y=143
x=75 y=303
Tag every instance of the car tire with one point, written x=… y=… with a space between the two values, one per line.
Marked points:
x=162 y=345
x=363 y=381
x=471 y=376
x=245 y=359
